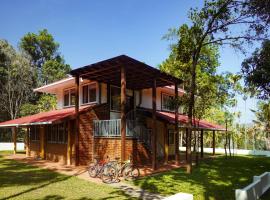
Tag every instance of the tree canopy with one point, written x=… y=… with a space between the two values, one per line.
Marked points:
x=256 y=70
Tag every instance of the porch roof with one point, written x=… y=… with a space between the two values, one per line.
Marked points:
x=138 y=74
x=50 y=117
x=183 y=120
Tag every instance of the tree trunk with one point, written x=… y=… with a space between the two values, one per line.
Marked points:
x=230 y=153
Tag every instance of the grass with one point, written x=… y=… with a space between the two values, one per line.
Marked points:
x=22 y=181
x=213 y=179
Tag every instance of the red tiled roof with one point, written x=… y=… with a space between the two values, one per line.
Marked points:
x=183 y=119
x=43 y=118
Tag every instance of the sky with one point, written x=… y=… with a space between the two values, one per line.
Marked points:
x=90 y=31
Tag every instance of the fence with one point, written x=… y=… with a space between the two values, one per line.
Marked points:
x=9 y=146
x=256 y=189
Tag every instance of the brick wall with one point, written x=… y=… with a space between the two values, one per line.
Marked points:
x=111 y=147
x=86 y=137
x=34 y=148
x=56 y=152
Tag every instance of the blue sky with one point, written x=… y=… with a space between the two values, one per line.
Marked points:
x=89 y=31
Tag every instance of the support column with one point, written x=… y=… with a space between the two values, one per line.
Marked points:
x=69 y=144
x=27 y=141
x=201 y=143
x=166 y=144
x=154 y=125
x=186 y=144
x=42 y=142
x=123 y=113
x=14 y=136
x=214 y=143
x=177 y=156
x=77 y=134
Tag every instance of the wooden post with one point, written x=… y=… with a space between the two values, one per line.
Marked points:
x=27 y=142
x=154 y=125
x=201 y=143
x=123 y=113
x=77 y=134
x=42 y=141
x=214 y=143
x=14 y=136
x=69 y=144
x=176 y=149
x=166 y=144
x=186 y=144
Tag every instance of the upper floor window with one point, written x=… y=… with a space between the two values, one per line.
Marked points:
x=89 y=93
x=116 y=99
x=167 y=102
x=69 y=97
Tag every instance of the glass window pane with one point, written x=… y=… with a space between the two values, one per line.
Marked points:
x=72 y=97
x=92 y=93
x=167 y=102
x=85 y=94
x=115 y=98
x=66 y=98
x=171 y=136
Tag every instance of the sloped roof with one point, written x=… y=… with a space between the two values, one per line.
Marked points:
x=183 y=120
x=43 y=118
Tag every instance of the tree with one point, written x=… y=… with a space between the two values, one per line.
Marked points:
x=48 y=66
x=256 y=71
x=46 y=59
x=16 y=79
x=213 y=25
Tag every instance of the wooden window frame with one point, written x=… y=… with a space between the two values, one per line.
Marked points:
x=162 y=102
x=88 y=98
x=69 y=99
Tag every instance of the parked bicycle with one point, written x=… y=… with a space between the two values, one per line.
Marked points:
x=126 y=169
x=103 y=169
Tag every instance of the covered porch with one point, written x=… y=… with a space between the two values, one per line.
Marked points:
x=128 y=73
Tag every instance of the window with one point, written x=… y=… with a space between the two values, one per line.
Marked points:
x=34 y=133
x=57 y=133
x=171 y=136
x=167 y=102
x=115 y=98
x=89 y=93
x=69 y=97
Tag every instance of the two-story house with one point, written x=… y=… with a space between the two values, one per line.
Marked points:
x=118 y=107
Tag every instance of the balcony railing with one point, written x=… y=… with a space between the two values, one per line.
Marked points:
x=112 y=128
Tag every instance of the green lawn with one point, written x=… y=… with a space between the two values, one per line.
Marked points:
x=213 y=179
x=21 y=181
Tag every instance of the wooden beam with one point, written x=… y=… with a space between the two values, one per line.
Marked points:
x=14 y=136
x=77 y=134
x=123 y=113
x=42 y=142
x=201 y=143
x=27 y=141
x=214 y=143
x=176 y=149
x=69 y=144
x=166 y=144
x=154 y=125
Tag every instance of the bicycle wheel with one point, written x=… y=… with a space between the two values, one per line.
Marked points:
x=92 y=170
x=109 y=174
x=131 y=172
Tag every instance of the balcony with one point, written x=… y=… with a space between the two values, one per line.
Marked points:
x=112 y=128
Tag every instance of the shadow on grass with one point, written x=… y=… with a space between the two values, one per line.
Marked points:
x=23 y=179
x=212 y=179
